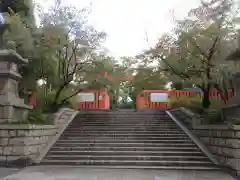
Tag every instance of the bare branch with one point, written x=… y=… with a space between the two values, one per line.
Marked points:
x=198 y=47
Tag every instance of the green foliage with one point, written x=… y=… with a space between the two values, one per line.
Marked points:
x=59 y=51
x=146 y=77
x=62 y=52
x=45 y=100
x=213 y=116
x=214 y=113
x=70 y=42
x=19 y=33
x=128 y=105
x=185 y=101
x=194 y=100
x=196 y=49
x=23 y=7
x=216 y=104
x=36 y=116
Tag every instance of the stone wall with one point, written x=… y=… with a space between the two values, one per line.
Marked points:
x=23 y=141
x=61 y=121
x=21 y=145
x=222 y=140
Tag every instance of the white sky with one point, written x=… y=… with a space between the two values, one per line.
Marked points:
x=128 y=23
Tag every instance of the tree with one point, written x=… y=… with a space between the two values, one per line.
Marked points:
x=21 y=26
x=197 y=49
x=95 y=71
x=69 y=42
x=145 y=78
x=22 y=7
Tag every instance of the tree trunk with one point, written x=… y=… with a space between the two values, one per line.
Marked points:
x=223 y=93
x=206 y=89
x=206 y=99
x=55 y=104
x=231 y=84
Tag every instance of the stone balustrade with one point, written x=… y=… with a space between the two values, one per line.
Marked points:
x=22 y=144
x=222 y=140
x=23 y=141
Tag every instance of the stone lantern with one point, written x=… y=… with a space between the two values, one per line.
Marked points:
x=12 y=108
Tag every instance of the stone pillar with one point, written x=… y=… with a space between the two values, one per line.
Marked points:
x=12 y=108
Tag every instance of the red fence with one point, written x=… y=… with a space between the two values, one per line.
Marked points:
x=101 y=101
x=213 y=94
x=143 y=100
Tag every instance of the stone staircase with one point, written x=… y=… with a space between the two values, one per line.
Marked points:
x=126 y=139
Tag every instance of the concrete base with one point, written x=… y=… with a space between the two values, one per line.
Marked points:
x=76 y=173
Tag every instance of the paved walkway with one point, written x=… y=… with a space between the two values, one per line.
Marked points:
x=7 y=171
x=75 y=173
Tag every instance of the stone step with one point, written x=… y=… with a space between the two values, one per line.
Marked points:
x=116 y=148
x=134 y=114
x=126 y=157
x=114 y=152
x=116 y=120
x=130 y=162
x=199 y=168
x=126 y=141
x=110 y=122
x=127 y=125
x=120 y=120
x=123 y=131
x=124 y=137
x=123 y=113
x=113 y=144
x=125 y=117
x=82 y=134
x=127 y=128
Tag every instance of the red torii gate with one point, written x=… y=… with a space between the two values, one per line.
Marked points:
x=101 y=98
x=125 y=78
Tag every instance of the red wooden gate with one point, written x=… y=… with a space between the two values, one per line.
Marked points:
x=101 y=101
x=143 y=100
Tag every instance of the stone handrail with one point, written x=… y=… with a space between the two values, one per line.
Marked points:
x=222 y=140
x=194 y=138
x=61 y=121
x=23 y=144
